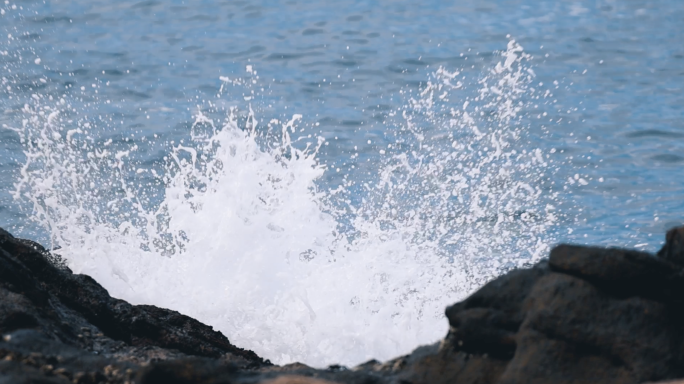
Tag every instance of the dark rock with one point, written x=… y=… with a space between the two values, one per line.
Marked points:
x=187 y=371
x=623 y=273
x=586 y=315
x=673 y=250
x=59 y=327
x=39 y=293
x=487 y=321
x=572 y=324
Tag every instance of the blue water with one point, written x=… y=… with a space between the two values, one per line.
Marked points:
x=343 y=64
x=600 y=107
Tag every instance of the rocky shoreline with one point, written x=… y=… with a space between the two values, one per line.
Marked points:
x=585 y=314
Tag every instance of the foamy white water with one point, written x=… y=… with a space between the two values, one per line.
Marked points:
x=247 y=239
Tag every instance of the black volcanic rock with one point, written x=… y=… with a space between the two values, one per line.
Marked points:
x=673 y=250
x=586 y=314
x=39 y=292
x=60 y=327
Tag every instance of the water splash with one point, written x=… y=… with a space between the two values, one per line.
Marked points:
x=246 y=237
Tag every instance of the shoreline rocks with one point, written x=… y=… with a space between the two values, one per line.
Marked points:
x=586 y=314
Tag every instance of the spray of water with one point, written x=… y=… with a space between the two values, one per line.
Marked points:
x=244 y=235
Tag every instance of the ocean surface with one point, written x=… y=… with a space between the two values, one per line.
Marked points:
x=319 y=180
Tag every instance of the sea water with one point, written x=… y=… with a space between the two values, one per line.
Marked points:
x=319 y=181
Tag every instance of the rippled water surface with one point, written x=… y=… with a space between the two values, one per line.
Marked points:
x=372 y=154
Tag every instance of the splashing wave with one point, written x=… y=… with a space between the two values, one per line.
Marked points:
x=244 y=235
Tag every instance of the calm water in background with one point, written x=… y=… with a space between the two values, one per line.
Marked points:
x=139 y=71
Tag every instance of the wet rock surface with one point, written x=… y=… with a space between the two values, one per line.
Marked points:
x=585 y=314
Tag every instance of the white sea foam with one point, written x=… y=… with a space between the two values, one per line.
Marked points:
x=249 y=240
